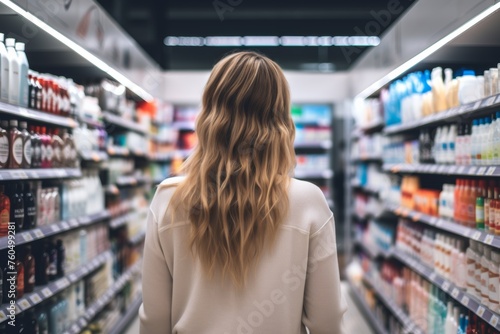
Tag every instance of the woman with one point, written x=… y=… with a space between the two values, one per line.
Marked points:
x=237 y=246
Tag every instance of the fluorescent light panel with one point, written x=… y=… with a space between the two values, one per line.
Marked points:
x=103 y=66
x=272 y=41
x=426 y=53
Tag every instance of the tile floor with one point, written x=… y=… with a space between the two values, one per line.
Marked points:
x=354 y=320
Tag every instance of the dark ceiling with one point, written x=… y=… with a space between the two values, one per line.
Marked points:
x=150 y=21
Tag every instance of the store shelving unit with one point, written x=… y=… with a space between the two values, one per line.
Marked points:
x=128 y=317
x=431 y=175
x=37 y=116
x=360 y=301
x=124 y=123
x=43 y=293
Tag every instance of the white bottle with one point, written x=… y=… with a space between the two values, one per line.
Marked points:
x=473 y=142
x=23 y=75
x=496 y=140
x=13 y=71
x=451 y=138
x=4 y=71
x=490 y=141
x=442 y=202
x=450 y=200
x=437 y=145
x=444 y=145
x=469 y=88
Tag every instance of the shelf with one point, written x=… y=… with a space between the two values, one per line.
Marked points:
x=44 y=293
x=459 y=170
x=160 y=139
x=376 y=158
x=94 y=156
x=446 y=225
x=187 y=126
x=466 y=111
x=304 y=174
x=369 y=128
x=117 y=151
x=128 y=317
x=374 y=252
x=324 y=145
x=123 y=123
x=91 y=122
x=54 y=229
x=130 y=181
x=120 y=220
x=372 y=319
x=102 y=301
x=365 y=189
x=403 y=318
x=458 y=294
x=36 y=116
x=39 y=174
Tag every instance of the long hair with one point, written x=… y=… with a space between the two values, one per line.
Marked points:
x=236 y=188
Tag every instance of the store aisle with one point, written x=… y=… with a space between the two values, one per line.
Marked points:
x=354 y=320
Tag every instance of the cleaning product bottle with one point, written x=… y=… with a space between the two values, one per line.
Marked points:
x=23 y=75
x=468 y=91
x=13 y=71
x=4 y=71
x=438 y=90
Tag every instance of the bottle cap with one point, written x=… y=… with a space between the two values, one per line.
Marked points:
x=13 y=122
x=23 y=125
x=20 y=46
x=469 y=72
x=10 y=42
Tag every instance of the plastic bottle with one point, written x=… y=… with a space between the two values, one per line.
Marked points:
x=468 y=91
x=485 y=265
x=16 y=145
x=451 y=138
x=484 y=141
x=496 y=141
x=442 y=202
x=30 y=217
x=494 y=282
x=4 y=71
x=438 y=90
x=23 y=75
x=4 y=145
x=27 y=148
x=474 y=142
x=466 y=142
x=16 y=195
x=13 y=71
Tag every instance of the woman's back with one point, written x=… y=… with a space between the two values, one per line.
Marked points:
x=294 y=284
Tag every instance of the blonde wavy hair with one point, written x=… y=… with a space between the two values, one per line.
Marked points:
x=236 y=188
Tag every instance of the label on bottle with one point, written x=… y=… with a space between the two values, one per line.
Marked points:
x=4 y=149
x=27 y=151
x=19 y=213
x=31 y=211
x=17 y=150
x=52 y=269
x=37 y=152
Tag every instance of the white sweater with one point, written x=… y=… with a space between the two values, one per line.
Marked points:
x=295 y=285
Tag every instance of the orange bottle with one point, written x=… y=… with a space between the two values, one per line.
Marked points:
x=457 y=214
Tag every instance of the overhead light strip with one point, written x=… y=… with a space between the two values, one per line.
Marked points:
x=426 y=53
x=103 y=66
x=228 y=41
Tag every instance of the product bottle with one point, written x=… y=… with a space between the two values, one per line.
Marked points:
x=29 y=270
x=30 y=209
x=57 y=146
x=52 y=269
x=42 y=319
x=20 y=278
x=27 y=149
x=23 y=75
x=31 y=323
x=438 y=90
x=4 y=71
x=66 y=151
x=17 y=205
x=4 y=145
x=494 y=282
x=13 y=71
x=61 y=258
x=39 y=93
x=480 y=205
x=471 y=257
x=1 y=279
x=45 y=140
x=16 y=146
x=485 y=265
x=4 y=212
x=42 y=262
x=36 y=149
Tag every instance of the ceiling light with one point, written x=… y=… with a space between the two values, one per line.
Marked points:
x=223 y=41
x=81 y=51
x=261 y=41
x=292 y=41
x=426 y=53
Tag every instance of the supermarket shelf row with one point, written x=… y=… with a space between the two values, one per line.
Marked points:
x=43 y=293
x=459 y=170
x=53 y=229
x=458 y=294
x=367 y=129
x=325 y=145
x=409 y=325
x=373 y=252
x=129 y=316
x=39 y=174
x=105 y=299
x=446 y=225
x=36 y=116
x=313 y=174
x=373 y=320
x=462 y=112
x=367 y=158
x=365 y=189
x=94 y=156
x=124 y=123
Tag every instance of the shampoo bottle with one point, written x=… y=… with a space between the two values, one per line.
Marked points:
x=23 y=75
